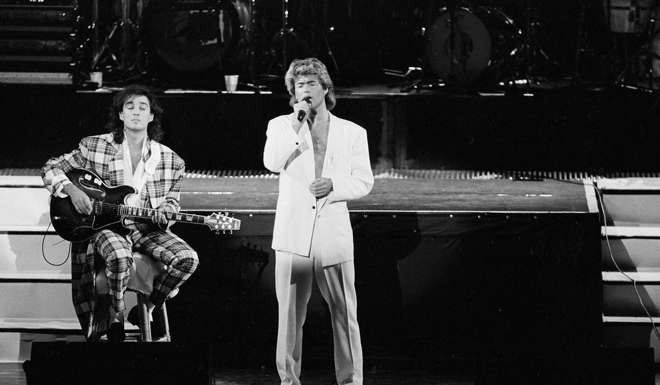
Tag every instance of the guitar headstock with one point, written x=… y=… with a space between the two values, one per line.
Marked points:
x=222 y=222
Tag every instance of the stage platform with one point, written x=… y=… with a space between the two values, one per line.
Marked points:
x=449 y=263
x=402 y=191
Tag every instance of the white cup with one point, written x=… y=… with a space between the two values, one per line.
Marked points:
x=96 y=77
x=231 y=82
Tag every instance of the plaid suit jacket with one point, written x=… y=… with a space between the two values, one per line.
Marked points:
x=104 y=156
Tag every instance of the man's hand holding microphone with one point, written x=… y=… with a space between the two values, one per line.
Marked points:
x=301 y=111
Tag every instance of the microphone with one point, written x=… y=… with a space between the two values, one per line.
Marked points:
x=302 y=113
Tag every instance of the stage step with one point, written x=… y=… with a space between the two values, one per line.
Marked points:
x=28 y=249
x=645 y=277
x=630 y=247
x=17 y=346
x=630 y=254
x=631 y=201
x=40 y=300
x=24 y=206
x=36 y=300
x=48 y=325
x=639 y=231
x=620 y=299
x=626 y=320
x=46 y=276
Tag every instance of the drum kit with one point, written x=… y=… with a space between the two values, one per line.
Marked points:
x=471 y=45
x=175 y=40
x=462 y=43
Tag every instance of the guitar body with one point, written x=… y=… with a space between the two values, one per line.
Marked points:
x=76 y=227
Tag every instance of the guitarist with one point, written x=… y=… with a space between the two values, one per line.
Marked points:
x=129 y=154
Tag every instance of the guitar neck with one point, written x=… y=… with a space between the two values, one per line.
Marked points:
x=147 y=213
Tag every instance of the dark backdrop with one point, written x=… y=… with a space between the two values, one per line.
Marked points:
x=572 y=129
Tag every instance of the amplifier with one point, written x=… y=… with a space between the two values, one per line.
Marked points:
x=40 y=2
x=39 y=35
x=37 y=15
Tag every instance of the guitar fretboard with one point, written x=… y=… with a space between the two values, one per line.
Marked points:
x=142 y=212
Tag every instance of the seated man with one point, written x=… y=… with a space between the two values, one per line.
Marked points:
x=129 y=154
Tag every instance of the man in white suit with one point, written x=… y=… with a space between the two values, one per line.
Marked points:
x=323 y=161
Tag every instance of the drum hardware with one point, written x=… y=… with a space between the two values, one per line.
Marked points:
x=467 y=46
x=117 y=59
x=642 y=68
x=451 y=46
x=293 y=45
x=191 y=43
x=581 y=46
x=285 y=35
x=324 y=36
x=532 y=54
x=253 y=84
x=443 y=37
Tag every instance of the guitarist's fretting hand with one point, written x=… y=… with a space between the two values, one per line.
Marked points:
x=159 y=217
x=80 y=200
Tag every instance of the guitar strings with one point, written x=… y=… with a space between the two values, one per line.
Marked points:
x=147 y=209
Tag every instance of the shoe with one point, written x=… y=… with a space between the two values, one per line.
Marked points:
x=157 y=325
x=116 y=332
x=134 y=316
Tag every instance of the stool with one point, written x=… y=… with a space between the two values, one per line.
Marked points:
x=143 y=272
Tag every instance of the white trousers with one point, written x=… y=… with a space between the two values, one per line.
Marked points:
x=294 y=275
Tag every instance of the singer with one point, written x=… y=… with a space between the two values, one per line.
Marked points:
x=323 y=162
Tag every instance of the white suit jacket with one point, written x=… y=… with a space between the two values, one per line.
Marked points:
x=303 y=223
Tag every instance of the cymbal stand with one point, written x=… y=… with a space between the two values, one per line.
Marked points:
x=585 y=57
x=418 y=83
x=453 y=30
x=252 y=50
x=324 y=35
x=125 y=27
x=531 y=52
x=285 y=32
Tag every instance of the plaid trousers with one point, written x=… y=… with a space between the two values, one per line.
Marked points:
x=117 y=252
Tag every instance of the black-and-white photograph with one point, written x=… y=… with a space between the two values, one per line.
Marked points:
x=330 y=192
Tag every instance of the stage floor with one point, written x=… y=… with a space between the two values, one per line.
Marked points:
x=12 y=374
x=396 y=194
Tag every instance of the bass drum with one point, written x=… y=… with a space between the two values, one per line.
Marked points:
x=194 y=35
x=484 y=38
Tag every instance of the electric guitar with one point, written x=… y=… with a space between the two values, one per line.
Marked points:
x=111 y=211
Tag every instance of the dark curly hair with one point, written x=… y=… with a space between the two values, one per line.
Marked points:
x=116 y=126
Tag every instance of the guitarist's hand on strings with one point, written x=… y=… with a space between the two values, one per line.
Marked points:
x=80 y=200
x=160 y=215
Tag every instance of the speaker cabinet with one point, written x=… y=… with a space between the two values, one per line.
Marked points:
x=103 y=363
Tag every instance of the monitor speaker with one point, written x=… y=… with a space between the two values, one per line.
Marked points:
x=129 y=363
